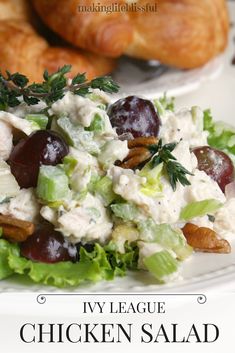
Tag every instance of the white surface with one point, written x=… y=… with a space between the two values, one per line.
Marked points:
x=151 y=80
x=202 y=271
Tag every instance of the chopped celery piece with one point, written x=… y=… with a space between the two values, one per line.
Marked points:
x=199 y=209
x=125 y=211
x=161 y=265
x=39 y=120
x=166 y=236
x=153 y=185
x=69 y=164
x=52 y=184
x=8 y=184
x=97 y=124
x=104 y=187
x=77 y=136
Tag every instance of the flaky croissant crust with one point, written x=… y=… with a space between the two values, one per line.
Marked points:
x=22 y=49
x=182 y=33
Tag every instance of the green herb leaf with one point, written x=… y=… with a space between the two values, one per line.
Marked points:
x=80 y=78
x=105 y=84
x=54 y=87
x=175 y=171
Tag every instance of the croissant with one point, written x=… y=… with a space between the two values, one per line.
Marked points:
x=109 y=34
x=182 y=33
x=22 y=49
x=17 y=9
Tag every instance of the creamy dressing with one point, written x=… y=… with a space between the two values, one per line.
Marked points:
x=83 y=217
x=224 y=223
x=185 y=124
x=18 y=123
x=113 y=150
x=88 y=221
x=166 y=207
x=23 y=206
x=80 y=110
x=6 y=140
x=86 y=167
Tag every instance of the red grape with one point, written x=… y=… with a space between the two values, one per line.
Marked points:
x=134 y=115
x=216 y=164
x=41 y=147
x=49 y=246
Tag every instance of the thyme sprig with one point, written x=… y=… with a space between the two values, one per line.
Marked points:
x=54 y=86
x=174 y=170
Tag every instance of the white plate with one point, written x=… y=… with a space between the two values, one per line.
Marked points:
x=201 y=271
x=152 y=80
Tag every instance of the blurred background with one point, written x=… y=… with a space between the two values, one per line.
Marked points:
x=184 y=48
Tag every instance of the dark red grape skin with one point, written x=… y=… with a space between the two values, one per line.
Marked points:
x=216 y=164
x=48 y=246
x=41 y=147
x=134 y=115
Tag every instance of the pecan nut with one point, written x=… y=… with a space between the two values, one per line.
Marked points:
x=205 y=239
x=139 y=152
x=15 y=229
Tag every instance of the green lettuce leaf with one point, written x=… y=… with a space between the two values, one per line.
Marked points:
x=164 y=103
x=199 y=209
x=221 y=135
x=101 y=263
x=5 y=250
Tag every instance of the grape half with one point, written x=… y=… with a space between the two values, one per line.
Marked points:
x=216 y=164
x=49 y=246
x=134 y=115
x=41 y=147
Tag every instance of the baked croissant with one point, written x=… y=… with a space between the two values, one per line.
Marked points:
x=22 y=49
x=182 y=33
x=107 y=34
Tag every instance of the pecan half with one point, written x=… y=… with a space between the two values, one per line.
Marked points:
x=139 y=152
x=205 y=239
x=15 y=229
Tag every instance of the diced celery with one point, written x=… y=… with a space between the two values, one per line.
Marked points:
x=104 y=187
x=161 y=265
x=200 y=209
x=76 y=136
x=69 y=164
x=53 y=184
x=166 y=236
x=125 y=211
x=97 y=124
x=153 y=185
x=39 y=120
